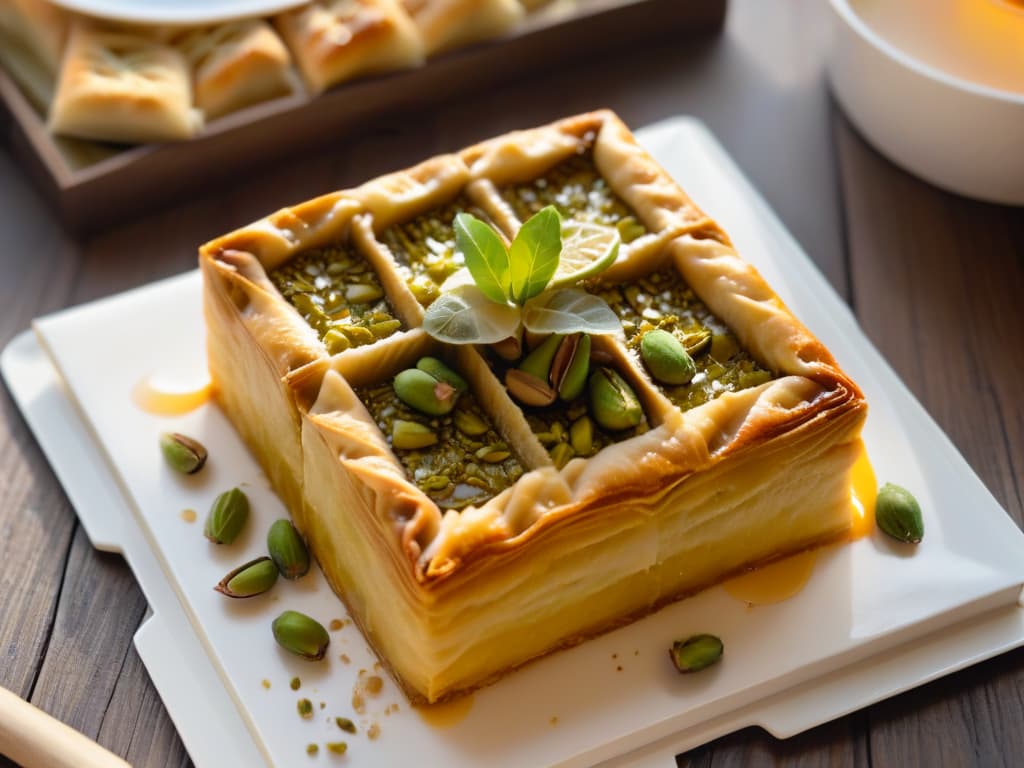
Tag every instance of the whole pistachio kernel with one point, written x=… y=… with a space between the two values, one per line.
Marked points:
x=666 y=358
x=470 y=424
x=613 y=403
x=696 y=653
x=182 y=452
x=442 y=372
x=427 y=394
x=408 y=435
x=227 y=517
x=528 y=389
x=300 y=634
x=287 y=550
x=571 y=366
x=561 y=454
x=898 y=514
x=337 y=747
x=248 y=580
x=538 y=362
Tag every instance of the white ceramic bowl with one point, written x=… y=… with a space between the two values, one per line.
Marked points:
x=958 y=135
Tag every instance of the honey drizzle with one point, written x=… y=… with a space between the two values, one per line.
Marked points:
x=447 y=714
x=783 y=579
x=159 y=402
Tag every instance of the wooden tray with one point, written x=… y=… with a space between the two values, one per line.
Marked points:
x=93 y=185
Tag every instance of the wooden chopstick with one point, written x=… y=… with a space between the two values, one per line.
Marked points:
x=33 y=739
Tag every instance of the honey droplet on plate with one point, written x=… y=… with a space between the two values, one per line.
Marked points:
x=188 y=515
x=447 y=714
x=151 y=396
x=774 y=582
x=863 y=492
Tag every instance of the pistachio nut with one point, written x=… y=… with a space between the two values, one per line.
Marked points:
x=358 y=335
x=345 y=724
x=337 y=747
x=697 y=343
x=528 y=389
x=666 y=358
x=227 y=517
x=336 y=341
x=408 y=435
x=696 y=653
x=898 y=514
x=581 y=436
x=182 y=452
x=253 y=578
x=357 y=293
x=442 y=372
x=287 y=549
x=300 y=634
x=613 y=403
x=304 y=708
x=420 y=390
x=538 y=362
x=561 y=454
x=468 y=423
x=571 y=365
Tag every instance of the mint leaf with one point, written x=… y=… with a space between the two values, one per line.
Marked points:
x=534 y=254
x=468 y=316
x=570 y=310
x=485 y=255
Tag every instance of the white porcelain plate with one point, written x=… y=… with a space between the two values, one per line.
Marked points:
x=865 y=627
x=184 y=12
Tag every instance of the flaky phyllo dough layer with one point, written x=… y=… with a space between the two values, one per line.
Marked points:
x=452 y=599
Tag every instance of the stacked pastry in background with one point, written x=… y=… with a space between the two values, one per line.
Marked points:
x=133 y=85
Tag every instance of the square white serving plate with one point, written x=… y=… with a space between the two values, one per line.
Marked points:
x=865 y=627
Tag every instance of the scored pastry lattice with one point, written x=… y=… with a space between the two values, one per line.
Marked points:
x=415 y=254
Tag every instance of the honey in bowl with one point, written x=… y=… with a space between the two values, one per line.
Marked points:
x=980 y=41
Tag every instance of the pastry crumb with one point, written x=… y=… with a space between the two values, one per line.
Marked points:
x=553 y=721
x=373 y=732
x=345 y=659
x=265 y=683
x=358 y=704
x=336 y=624
x=373 y=685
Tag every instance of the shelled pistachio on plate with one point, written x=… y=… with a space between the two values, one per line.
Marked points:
x=339 y=294
x=662 y=301
x=251 y=579
x=287 y=550
x=302 y=635
x=182 y=453
x=227 y=517
x=898 y=514
x=696 y=653
x=444 y=440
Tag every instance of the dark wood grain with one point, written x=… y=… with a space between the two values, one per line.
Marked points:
x=935 y=280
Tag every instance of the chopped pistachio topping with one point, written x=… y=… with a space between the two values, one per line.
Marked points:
x=662 y=300
x=460 y=460
x=579 y=192
x=339 y=295
x=426 y=245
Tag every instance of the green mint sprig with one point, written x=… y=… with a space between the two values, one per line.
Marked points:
x=503 y=290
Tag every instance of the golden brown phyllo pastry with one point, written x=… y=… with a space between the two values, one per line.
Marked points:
x=466 y=542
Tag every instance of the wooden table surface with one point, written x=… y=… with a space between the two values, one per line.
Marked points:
x=937 y=282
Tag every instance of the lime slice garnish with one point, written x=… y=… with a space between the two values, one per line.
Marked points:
x=587 y=249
